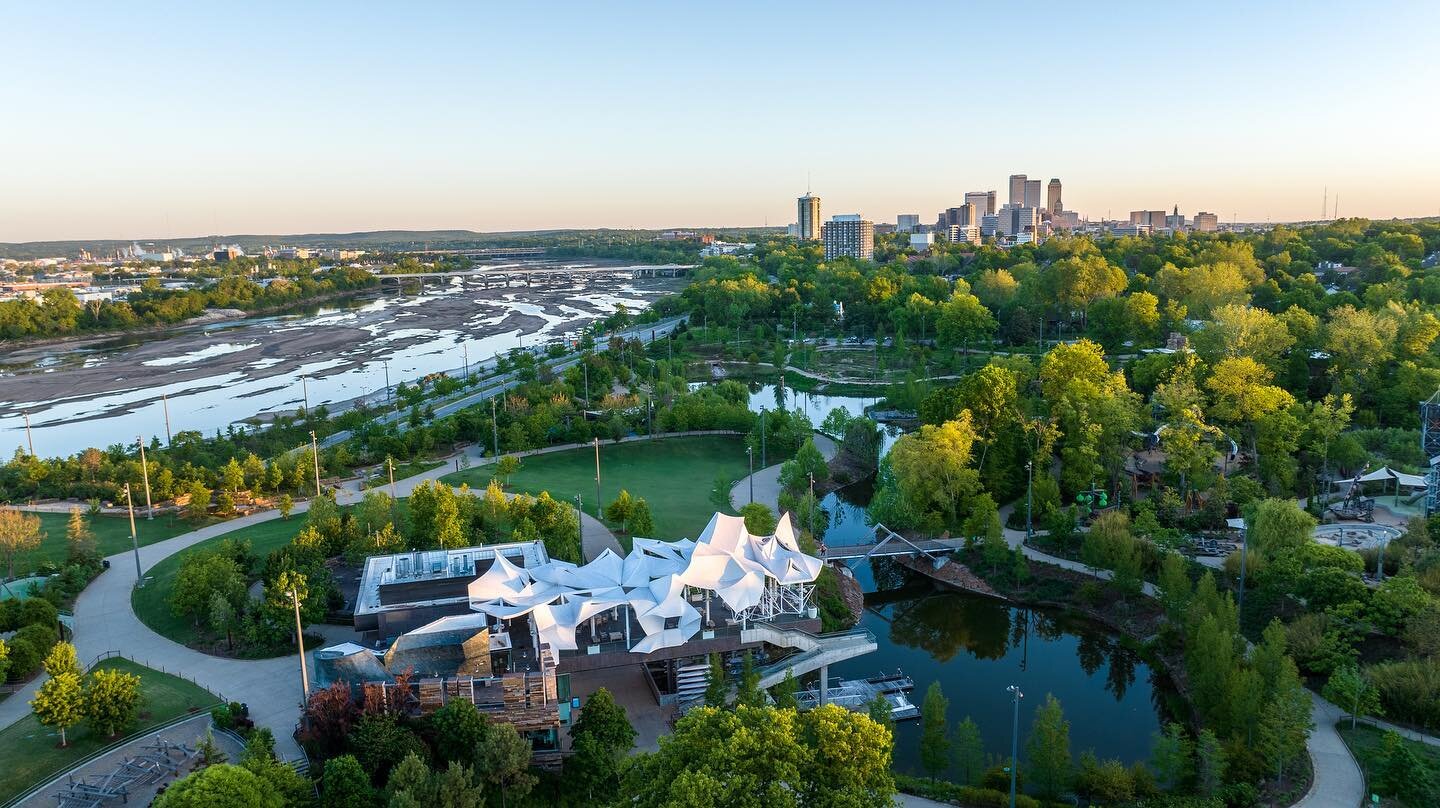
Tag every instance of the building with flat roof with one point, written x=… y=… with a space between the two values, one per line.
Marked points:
x=1206 y=222
x=849 y=236
x=1053 y=202
x=907 y=222
x=1032 y=194
x=808 y=217
x=984 y=202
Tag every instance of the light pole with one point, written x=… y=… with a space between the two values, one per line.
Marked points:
x=750 y=455
x=763 y=463
x=300 y=642
x=305 y=393
x=597 y=478
x=315 y=455
x=28 y=439
x=494 y=428
x=1029 y=491
x=390 y=462
x=165 y=406
x=387 y=381
x=1015 y=696
x=145 y=472
x=811 y=475
x=134 y=540
x=466 y=349
x=1244 y=551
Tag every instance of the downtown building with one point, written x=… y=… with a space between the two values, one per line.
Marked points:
x=849 y=236
x=808 y=217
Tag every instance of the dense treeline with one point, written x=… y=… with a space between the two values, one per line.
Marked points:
x=57 y=312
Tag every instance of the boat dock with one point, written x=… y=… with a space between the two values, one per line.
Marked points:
x=856 y=695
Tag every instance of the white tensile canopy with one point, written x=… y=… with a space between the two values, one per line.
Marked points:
x=651 y=581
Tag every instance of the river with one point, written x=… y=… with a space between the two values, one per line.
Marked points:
x=97 y=392
x=976 y=647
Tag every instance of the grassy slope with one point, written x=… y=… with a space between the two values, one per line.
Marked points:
x=675 y=476
x=152 y=603
x=30 y=750
x=1365 y=742
x=112 y=535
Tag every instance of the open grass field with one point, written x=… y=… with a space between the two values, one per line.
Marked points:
x=112 y=535
x=31 y=751
x=676 y=476
x=152 y=601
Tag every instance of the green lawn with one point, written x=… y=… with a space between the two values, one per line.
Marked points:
x=1366 y=742
x=152 y=601
x=675 y=476
x=112 y=535
x=31 y=751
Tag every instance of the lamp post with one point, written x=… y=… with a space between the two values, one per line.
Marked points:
x=165 y=406
x=763 y=463
x=387 y=381
x=1015 y=697
x=750 y=456
x=305 y=394
x=1029 y=500
x=134 y=540
x=315 y=455
x=28 y=439
x=597 y=478
x=811 y=475
x=145 y=472
x=300 y=642
x=1244 y=551
x=390 y=462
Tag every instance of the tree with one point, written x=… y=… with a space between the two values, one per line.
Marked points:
x=880 y=712
x=748 y=692
x=225 y=785
x=759 y=519
x=1353 y=692
x=506 y=467
x=642 y=523
x=1279 y=526
x=1174 y=585
x=1048 y=749
x=288 y=589
x=505 y=762
x=795 y=472
x=1210 y=763
x=963 y=318
x=1284 y=725
x=605 y=720
x=60 y=703
x=345 y=784
x=717 y=692
x=201 y=576
x=458 y=730
x=1400 y=773
x=5 y=662
x=112 y=700
x=621 y=509
x=19 y=533
x=1173 y=756
x=62 y=659
x=601 y=736
x=783 y=693
x=933 y=472
x=969 y=752
x=286 y=505
x=79 y=538
x=934 y=731
x=199 y=505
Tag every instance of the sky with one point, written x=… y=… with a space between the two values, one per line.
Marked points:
x=158 y=120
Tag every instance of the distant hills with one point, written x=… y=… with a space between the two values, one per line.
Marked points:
x=396 y=240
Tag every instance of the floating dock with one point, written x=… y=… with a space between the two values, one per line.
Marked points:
x=856 y=695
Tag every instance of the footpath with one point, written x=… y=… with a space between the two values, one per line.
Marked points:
x=767 y=480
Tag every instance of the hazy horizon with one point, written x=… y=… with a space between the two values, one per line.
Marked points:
x=165 y=121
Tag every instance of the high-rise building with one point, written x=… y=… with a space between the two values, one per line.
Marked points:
x=1032 y=194
x=984 y=202
x=808 y=216
x=1052 y=197
x=1015 y=220
x=907 y=222
x=1153 y=219
x=989 y=223
x=849 y=236
x=965 y=214
x=965 y=232
x=1207 y=222
x=1017 y=189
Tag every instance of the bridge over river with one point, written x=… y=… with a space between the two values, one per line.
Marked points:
x=538 y=274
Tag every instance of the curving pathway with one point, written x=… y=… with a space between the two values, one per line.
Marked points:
x=105 y=622
x=767 y=480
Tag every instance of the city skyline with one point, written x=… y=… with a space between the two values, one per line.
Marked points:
x=473 y=118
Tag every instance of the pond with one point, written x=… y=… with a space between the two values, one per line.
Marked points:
x=976 y=647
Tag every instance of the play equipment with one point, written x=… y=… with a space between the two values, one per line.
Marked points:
x=1355 y=506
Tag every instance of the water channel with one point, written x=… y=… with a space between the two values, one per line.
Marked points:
x=976 y=647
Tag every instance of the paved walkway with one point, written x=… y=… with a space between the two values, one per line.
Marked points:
x=767 y=480
x=1338 y=782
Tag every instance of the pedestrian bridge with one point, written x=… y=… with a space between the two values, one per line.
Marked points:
x=889 y=543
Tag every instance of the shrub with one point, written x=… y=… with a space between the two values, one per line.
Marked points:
x=1409 y=690
x=946 y=791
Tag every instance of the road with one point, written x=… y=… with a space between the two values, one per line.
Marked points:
x=495 y=385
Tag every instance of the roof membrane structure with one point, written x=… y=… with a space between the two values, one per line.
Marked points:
x=755 y=576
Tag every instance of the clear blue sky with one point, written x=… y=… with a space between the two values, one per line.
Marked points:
x=163 y=120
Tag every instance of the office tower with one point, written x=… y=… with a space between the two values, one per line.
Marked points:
x=907 y=222
x=1032 y=194
x=1207 y=222
x=1017 y=189
x=969 y=233
x=984 y=202
x=1018 y=219
x=1052 y=197
x=1153 y=219
x=989 y=223
x=808 y=216
x=965 y=214
x=849 y=236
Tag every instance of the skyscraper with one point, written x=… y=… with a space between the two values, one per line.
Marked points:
x=849 y=236
x=808 y=216
x=1052 y=197
x=1032 y=194
x=1207 y=222
x=984 y=202
x=1017 y=190
x=907 y=222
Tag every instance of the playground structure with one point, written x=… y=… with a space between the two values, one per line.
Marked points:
x=1355 y=506
x=161 y=759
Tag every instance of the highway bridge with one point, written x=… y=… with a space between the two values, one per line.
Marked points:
x=534 y=275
